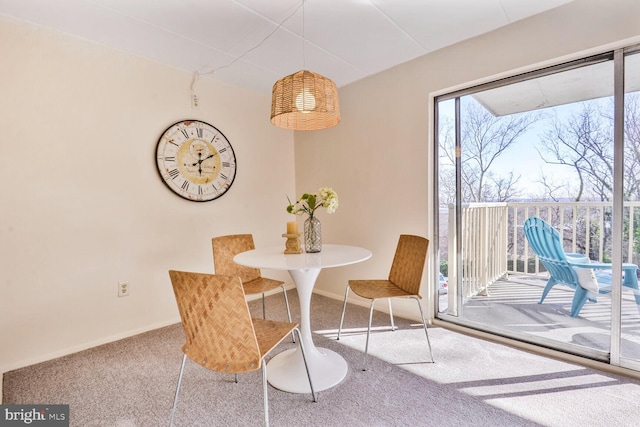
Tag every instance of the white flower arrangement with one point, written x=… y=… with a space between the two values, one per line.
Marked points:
x=308 y=203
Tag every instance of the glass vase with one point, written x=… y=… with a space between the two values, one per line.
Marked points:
x=312 y=235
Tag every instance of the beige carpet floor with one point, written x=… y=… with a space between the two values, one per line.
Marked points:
x=473 y=382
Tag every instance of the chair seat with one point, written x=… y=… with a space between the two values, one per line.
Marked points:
x=270 y=333
x=377 y=288
x=261 y=285
x=403 y=282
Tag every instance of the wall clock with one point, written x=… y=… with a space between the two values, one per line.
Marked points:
x=196 y=160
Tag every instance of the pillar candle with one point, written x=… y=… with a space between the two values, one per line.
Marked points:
x=292 y=227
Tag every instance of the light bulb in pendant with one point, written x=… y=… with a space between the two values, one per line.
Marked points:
x=305 y=101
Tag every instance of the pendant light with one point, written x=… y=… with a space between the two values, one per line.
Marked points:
x=305 y=100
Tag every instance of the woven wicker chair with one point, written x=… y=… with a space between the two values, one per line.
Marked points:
x=220 y=333
x=225 y=248
x=403 y=282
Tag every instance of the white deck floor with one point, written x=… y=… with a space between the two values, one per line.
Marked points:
x=512 y=305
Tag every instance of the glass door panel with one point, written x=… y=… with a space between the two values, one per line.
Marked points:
x=630 y=305
x=537 y=147
x=446 y=203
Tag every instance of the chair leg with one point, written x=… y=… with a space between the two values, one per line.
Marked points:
x=424 y=323
x=344 y=307
x=264 y=309
x=550 y=283
x=579 y=298
x=264 y=393
x=175 y=399
x=306 y=366
x=264 y=379
x=629 y=281
x=393 y=327
x=636 y=295
x=366 y=346
x=286 y=303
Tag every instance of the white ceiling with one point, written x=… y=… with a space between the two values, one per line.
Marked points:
x=241 y=42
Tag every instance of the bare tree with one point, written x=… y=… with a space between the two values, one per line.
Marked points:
x=560 y=148
x=485 y=138
x=446 y=170
x=584 y=143
x=553 y=190
x=505 y=187
x=631 y=186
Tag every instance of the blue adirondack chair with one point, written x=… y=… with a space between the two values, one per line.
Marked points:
x=573 y=270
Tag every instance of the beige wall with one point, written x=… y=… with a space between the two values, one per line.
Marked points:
x=83 y=207
x=380 y=157
x=82 y=203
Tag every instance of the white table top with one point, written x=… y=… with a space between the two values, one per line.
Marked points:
x=273 y=257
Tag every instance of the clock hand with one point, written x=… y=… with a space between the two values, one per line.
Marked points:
x=202 y=160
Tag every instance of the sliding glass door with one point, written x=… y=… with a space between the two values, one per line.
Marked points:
x=629 y=335
x=544 y=148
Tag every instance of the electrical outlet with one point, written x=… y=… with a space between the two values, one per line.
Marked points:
x=195 y=101
x=123 y=289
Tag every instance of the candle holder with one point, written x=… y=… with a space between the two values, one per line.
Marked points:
x=292 y=245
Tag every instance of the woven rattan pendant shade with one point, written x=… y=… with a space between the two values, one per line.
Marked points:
x=305 y=101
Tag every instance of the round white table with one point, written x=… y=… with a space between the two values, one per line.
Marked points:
x=327 y=368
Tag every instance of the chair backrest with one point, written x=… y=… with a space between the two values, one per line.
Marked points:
x=216 y=321
x=225 y=248
x=408 y=263
x=546 y=242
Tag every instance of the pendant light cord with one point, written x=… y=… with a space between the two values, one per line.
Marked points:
x=304 y=65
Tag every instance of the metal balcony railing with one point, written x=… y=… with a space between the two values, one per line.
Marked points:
x=493 y=242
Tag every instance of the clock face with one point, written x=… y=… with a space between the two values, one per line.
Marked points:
x=196 y=161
